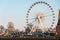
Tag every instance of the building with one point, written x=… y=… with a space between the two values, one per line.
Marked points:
x=58 y=26
x=59 y=18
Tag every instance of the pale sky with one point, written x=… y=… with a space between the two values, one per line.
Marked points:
x=15 y=11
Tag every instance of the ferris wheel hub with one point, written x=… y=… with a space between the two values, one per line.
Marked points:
x=40 y=17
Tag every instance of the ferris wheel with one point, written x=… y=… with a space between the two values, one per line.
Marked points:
x=42 y=16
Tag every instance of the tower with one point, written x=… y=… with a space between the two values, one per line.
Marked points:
x=11 y=27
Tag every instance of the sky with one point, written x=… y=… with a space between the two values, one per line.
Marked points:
x=15 y=11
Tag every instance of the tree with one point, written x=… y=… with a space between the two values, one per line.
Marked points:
x=2 y=30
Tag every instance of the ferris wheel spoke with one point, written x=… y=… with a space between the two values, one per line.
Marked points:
x=47 y=15
x=42 y=25
x=32 y=18
x=33 y=21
